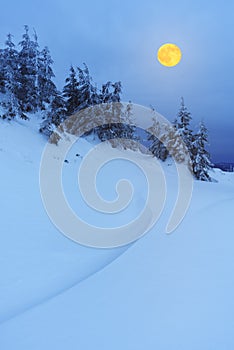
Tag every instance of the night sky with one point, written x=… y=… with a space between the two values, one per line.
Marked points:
x=119 y=40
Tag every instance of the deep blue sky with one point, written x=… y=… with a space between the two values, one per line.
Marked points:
x=119 y=41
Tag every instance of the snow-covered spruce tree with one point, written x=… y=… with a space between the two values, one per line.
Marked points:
x=182 y=124
x=122 y=134
x=111 y=92
x=156 y=146
x=55 y=115
x=10 y=102
x=128 y=128
x=88 y=94
x=111 y=96
x=124 y=128
x=104 y=133
x=46 y=89
x=201 y=162
x=121 y=118
x=27 y=73
x=175 y=145
x=81 y=93
x=71 y=92
x=2 y=72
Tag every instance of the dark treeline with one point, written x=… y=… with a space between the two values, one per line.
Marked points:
x=27 y=87
x=179 y=139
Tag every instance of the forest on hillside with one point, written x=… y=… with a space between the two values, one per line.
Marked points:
x=27 y=86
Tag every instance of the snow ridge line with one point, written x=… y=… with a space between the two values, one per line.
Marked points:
x=64 y=290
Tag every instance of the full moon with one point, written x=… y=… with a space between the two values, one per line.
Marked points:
x=169 y=55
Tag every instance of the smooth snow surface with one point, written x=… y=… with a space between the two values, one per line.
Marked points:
x=162 y=292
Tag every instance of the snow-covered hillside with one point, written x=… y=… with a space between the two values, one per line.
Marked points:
x=161 y=292
x=36 y=260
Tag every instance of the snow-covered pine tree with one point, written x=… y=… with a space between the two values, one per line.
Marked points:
x=88 y=94
x=27 y=73
x=106 y=94
x=103 y=131
x=128 y=128
x=123 y=133
x=117 y=91
x=156 y=147
x=46 y=89
x=80 y=93
x=111 y=96
x=122 y=128
x=175 y=145
x=10 y=102
x=2 y=72
x=55 y=115
x=201 y=162
x=71 y=92
x=182 y=124
x=111 y=92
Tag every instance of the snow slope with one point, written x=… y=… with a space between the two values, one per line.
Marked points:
x=162 y=292
x=36 y=260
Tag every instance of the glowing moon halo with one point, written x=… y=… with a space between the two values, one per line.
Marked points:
x=169 y=55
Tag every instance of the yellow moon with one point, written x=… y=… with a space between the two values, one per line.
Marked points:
x=169 y=55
